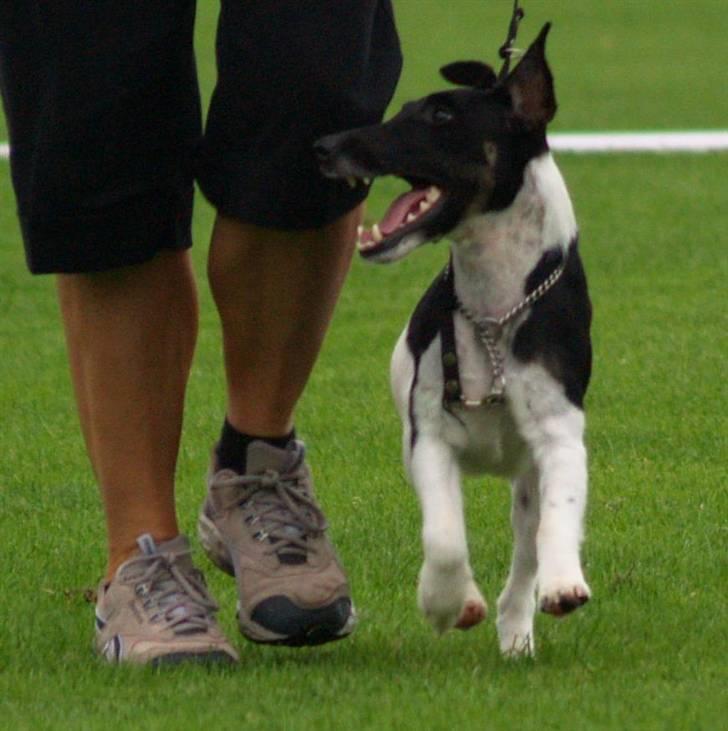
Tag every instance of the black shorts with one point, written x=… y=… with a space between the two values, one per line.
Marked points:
x=103 y=112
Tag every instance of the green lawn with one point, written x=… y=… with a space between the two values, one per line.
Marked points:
x=647 y=653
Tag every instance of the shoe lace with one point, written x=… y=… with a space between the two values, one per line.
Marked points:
x=174 y=596
x=282 y=511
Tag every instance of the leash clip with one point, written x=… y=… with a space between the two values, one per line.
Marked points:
x=506 y=51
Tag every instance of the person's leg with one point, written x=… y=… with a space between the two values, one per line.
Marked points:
x=284 y=235
x=101 y=156
x=131 y=336
x=275 y=292
x=102 y=188
x=281 y=247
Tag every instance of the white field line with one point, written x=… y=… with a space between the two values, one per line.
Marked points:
x=691 y=141
x=586 y=142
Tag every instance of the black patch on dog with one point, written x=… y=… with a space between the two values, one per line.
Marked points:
x=556 y=333
x=428 y=319
x=469 y=73
x=411 y=408
x=511 y=166
x=431 y=312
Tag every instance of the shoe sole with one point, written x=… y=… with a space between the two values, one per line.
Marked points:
x=314 y=637
x=215 y=659
x=319 y=626
x=322 y=630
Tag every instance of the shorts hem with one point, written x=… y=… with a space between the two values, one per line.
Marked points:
x=119 y=236
x=283 y=218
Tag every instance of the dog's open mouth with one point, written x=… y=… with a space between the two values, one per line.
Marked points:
x=408 y=214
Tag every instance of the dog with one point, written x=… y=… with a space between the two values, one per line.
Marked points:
x=490 y=373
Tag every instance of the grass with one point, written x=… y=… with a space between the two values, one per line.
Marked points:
x=647 y=653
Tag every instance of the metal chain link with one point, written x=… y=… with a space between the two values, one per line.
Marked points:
x=490 y=331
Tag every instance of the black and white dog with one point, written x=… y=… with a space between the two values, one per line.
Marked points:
x=491 y=370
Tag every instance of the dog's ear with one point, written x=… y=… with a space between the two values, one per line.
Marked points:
x=469 y=73
x=531 y=85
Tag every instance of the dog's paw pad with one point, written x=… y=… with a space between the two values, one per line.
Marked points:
x=564 y=601
x=473 y=613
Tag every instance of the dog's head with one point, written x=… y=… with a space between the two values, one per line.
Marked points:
x=463 y=151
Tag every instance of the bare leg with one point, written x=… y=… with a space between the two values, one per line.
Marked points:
x=275 y=292
x=131 y=335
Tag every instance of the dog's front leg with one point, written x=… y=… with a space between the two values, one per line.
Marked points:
x=553 y=428
x=517 y=602
x=447 y=594
x=562 y=487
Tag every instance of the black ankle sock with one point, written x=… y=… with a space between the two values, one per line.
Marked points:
x=232 y=448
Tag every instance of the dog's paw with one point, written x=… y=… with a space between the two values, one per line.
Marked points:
x=472 y=614
x=442 y=612
x=474 y=610
x=516 y=642
x=516 y=607
x=515 y=629
x=563 y=598
x=449 y=598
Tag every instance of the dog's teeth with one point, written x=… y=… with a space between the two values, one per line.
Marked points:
x=363 y=244
x=351 y=180
x=410 y=217
x=359 y=231
x=376 y=233
x=433 y=193
x=425 y=206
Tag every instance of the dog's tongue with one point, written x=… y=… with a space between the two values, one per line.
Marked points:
x=403 y=212
x=397 y=213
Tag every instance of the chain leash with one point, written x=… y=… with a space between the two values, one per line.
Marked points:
x=490 y=331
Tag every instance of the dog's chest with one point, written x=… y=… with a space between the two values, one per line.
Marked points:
x=486 y=436
x=486 y=439
x=482 y=367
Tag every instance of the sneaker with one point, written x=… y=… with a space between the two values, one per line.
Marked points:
x=265 y=528
x=157 y=610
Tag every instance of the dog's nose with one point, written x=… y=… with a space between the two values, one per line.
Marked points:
x=324 y=148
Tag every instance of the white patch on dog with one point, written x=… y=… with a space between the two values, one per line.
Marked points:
x=493 y=252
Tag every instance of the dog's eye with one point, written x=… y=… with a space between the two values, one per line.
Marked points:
x=442 y=115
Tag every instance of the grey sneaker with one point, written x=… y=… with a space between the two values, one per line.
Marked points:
x=157 y=610
x=265 y=528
